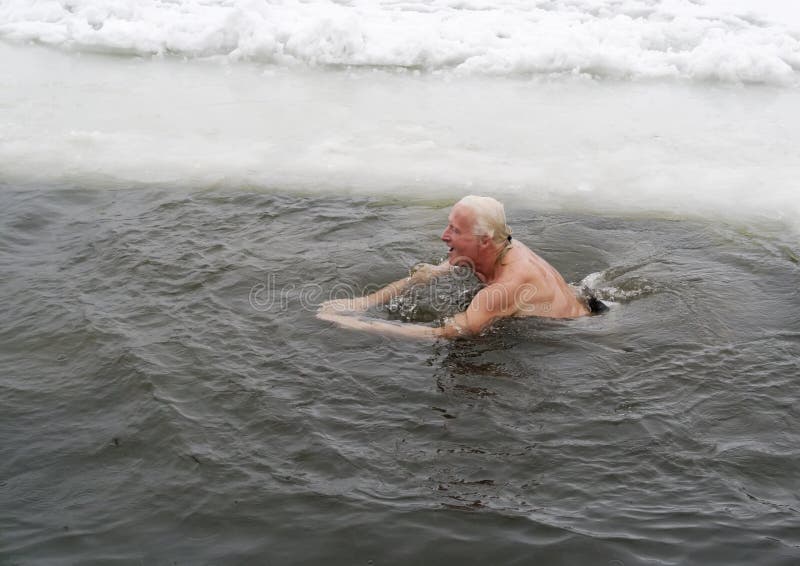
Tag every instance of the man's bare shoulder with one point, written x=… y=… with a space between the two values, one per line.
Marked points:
x=522 y=266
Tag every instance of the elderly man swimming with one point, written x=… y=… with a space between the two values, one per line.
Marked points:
x=517 y=281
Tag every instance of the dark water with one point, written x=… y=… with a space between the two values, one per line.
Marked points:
x=151 y=414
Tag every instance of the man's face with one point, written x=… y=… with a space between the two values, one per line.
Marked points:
x=458 y=236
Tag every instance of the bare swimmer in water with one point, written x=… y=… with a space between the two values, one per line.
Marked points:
x=517 y=281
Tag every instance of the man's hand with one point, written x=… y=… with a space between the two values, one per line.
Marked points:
x=359 y=304
x=424 y=272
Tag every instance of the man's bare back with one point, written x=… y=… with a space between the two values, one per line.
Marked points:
x=555 y=298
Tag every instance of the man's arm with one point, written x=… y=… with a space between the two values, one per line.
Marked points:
x=493 y=302
x=389 y=328
x=420 y=274
x=496 y=301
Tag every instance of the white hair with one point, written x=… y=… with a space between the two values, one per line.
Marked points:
x=490 y=217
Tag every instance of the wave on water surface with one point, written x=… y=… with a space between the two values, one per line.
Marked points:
x=716 y=40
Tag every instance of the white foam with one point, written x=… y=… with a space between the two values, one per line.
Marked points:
x=721 y=40
x=610 y=294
